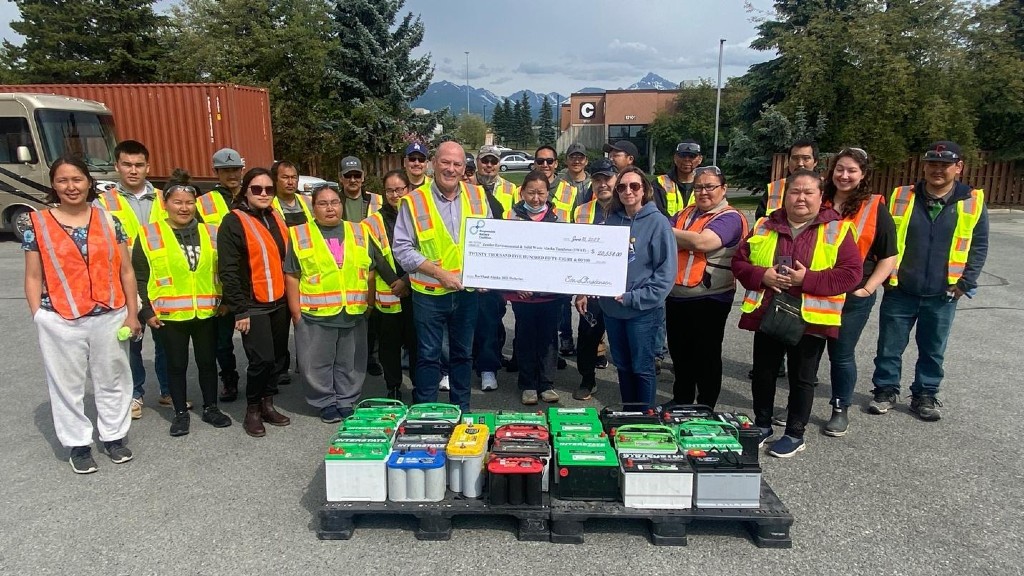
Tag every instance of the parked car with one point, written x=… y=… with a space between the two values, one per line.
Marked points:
x=509 y=152
x=515 y=162
x=309 y=184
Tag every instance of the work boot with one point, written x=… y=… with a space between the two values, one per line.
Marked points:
x=272 y=416
x=838 y=423
x=229 y=391
x=253 y=424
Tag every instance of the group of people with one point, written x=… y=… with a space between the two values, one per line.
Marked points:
x=359 y=276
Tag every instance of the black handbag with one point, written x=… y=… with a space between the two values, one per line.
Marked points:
x=782 y=320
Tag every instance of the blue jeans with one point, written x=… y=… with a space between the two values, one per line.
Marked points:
x=633 y=351
x=842 y=352
x=490 y=332
x=139 y=368
x=455 y=314
x=661 y=340
x=897 y=316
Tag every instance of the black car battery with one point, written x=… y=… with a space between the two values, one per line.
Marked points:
x=723 y=480
x=748 y=434
x=427 y=428
x=614 y=416
x=678 y=414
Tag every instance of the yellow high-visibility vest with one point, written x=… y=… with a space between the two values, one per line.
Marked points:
x=506 y=193
x=325 y=289
x=586 y=213
x=776 y=192
x=435 y=243
x=303 y=202
x=385 y=299
x=112 y=202
x=673 y=197
x=176 y=292
x=564 y=197
x=212 y=207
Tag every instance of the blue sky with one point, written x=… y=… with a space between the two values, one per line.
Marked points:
x=565 y=45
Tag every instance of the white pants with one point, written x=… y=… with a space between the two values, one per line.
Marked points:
x=73 y=349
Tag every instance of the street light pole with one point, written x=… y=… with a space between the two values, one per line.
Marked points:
x=718 y=102
x=467 y=83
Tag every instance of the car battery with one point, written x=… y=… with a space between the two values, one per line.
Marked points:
x=523 y=432
x=380 y=408
x=417 y=476
x=515 y=480
x=410 y=442
x=485 y=417
x=645 y=439
x=466 y=451
x=708 y=435
x=587 y=413
x=579 y=438
x=431 y=418
x=748 y=434
x=576 y=421
x=656 y=481
x=680 y=413
x=614 y=416
x=723 y=480
x=503 y=418
x=586 y=471
x=385 y=424
x=356 y=466
x=508 y=447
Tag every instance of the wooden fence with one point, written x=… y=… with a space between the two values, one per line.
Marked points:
x=1002 y=182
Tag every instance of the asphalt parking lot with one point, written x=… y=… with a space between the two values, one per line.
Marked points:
x=895 y=496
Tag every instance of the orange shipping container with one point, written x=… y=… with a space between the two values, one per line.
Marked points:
x=182 y=125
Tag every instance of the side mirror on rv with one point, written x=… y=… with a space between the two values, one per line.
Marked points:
x=24 y=155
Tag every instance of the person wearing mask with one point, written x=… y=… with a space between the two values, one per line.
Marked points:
x=293 y=207
x=330 y=269
x=575 y=174
x=536 y=313
x=563 y=196
x=428 y=244
x=707 y=234
x=942 y=238
x=212 y=207
x=806 y=258
x=251 y=243
x=80 y=290
x=135 y=202
x=393 y=300
x=415 y=165
x=590 y=332
x=622 y=153
x=175 y=263
x=633 y=316
x=674 y=191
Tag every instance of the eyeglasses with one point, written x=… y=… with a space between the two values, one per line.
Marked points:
x=544 y=161
x=395 y=191
x=577 y=158
x=416 y=159
x=487 y=160
x=941 y=155
x=261 y=190
x=633 y=187
x=181 y=188
x=857 y=153
x=328 y=204
x=705 y=187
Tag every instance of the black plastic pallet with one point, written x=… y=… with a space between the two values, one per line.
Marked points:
x=768 y=525
x=337 y=519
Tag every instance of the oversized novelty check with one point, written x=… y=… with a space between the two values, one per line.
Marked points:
x=545 y=257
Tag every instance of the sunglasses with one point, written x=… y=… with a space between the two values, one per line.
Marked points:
x=633 y=187
x=417 y=159
x=261 y=190
x=941 y=155
x=352 y=175
x=544 y=161
x=181 y=188
x=693 y=149
x=320 y=186
x=487 y=160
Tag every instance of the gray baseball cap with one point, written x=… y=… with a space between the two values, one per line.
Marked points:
x=227 y=158
x=351 y=164
x=576 y=148
x=489 y=150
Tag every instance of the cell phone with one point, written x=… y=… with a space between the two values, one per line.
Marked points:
x=785 y=263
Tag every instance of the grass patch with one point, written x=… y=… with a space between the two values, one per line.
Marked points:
x=515 y=177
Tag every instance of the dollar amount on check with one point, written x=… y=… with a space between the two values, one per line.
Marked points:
x=545 y=257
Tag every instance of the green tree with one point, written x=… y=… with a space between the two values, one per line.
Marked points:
x=516 y=124
x=471 y=131
x=525 y=122
x=86 y=41
x=997 y=78
x=693 y=117
x=749 y=160
x=509 y=132
x=547 y=134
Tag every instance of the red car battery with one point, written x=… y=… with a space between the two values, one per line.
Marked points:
x=747 y=433
x=523 y=432
x=680 y=413
x=515 y=480
x=509 y=447
x=614 y=416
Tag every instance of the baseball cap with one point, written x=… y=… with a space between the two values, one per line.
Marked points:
x=227 y=158
x=943 y=151
x=351 y=164
x=602 y=166
x=489 y=151
x=688 y=148
x=416 y=148
x=576 y=148
x=623 y=146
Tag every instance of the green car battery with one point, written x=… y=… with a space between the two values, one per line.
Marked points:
x=503 y=418
x=485 y=417
x=380 y=408
x=514 y=480
x=586 y=473
x=509 y=447
x=555 y=414
x=417 y=476
x=675 y=415
x=582 y=425
x=656 y=481
x=580 y=439
x=708 y=435
x=723 y=480
x=644 y=439
x=384 y=424
x=356 y=466
x=614 y=416
x=748 y=434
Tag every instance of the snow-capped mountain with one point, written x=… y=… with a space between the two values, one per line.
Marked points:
x=653 y=82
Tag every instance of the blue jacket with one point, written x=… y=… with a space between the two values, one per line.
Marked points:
x=651 y=271
x=926 y=255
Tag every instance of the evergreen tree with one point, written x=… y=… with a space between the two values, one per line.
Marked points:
x=548 y=134
x=525 y=121
x=516 y=124
x=997 y=77
x=508 y=115
x=82 y=41
x=499 y=123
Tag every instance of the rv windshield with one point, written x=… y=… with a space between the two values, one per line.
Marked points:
x=85 y=134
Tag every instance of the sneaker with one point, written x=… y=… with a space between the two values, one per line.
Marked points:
x=779 y=419
x=602 y=362
x=583 y=393
x=136 y=408
x=488 y=381
x=81 y=460
x=838 y=423
x=925 y=408
x=549 y=396
x=229 y=393
x=118 y=452
x=443 y=385
x=373 y=368
x=165 y=400
x=883 y=401
x=566 y=347
x=787 y=447
x=529 y=397
x=346 y=411
x=766 y=436
x=179 y=426
x=330 y=414
x=214 y=417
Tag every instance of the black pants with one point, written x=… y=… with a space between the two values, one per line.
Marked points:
x=266 y=347
x=397 y=330
x=373 y=327
x=536 y=343
x=175 y=337
x=588 y=340
x=226 y=349
x=696 y=329
x=802 y=363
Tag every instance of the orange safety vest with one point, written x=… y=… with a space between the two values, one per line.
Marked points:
x=693 y=264
x=776 y=192
x=76 y=284
x=266 y=265
x=865 y=223
x=585 y=213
